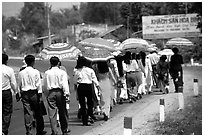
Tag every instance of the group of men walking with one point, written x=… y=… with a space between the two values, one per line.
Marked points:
x=29 y=90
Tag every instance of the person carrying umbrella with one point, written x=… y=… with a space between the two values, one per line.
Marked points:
x=85 y=77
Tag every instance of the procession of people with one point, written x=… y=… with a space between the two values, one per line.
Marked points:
x=99 y=85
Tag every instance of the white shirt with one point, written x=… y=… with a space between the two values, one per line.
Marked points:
x=85 y=75
x=56 y=78
x=114 y=62
x=29 y=79
x=133 y=66
x=154 y=58
x=8 y=78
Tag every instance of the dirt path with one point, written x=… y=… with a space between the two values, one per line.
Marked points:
x=145 y=112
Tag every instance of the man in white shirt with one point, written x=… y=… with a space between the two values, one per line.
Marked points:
x=30 y=87
x=55 y=81
x=8 y=83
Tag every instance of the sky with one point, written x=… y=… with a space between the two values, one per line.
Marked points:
x=13 y=8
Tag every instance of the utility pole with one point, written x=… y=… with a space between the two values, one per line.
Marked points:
x=186 y=7
x=48 y=23
x=128 y=25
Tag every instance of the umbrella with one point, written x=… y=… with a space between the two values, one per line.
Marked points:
x=179 y=42
x=96 y=54
x=167 y=52
x=136 y=44
x=116 y=44
x=60 y=50
x=97 y=43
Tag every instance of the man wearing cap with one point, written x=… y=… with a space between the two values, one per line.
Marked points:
x=31 y=90
x=8 y=83
x=55 y=81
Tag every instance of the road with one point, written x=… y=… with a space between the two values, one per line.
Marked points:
x=142 y=111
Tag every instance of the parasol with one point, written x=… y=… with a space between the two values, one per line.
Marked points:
x=179 y=42
x=166 y=52
x=97 y=43
x=60 y=50
x=96 y=54
x=135 y=44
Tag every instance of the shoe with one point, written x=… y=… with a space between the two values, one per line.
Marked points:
x=5 y=132
x=28 y=133
x=130 y=101
x=120 y=101
x=91 y=120
x=41 y=133
x=66 y=132
x=105 y=118
x=54 y=133
x=134 y=99
x=140 y=96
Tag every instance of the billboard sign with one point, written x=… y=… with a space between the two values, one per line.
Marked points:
x=170 y=26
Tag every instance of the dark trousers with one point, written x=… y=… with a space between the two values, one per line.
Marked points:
x=57 y=104
x=31 y=107
x=154 y=72
x=175 y=76
x=7 y=106
x=85 y=92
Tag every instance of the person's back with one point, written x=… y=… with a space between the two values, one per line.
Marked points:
x=176 y=61
x=30 y=86
x=8 y=83
x=7 y=77
x=56 y=83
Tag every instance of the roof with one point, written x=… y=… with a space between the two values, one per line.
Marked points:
x=45 y=37
x=109 y=31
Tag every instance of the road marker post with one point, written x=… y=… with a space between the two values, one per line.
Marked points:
x=195 y=87
x=180 y=98
x=162 y=117
x=127 y=125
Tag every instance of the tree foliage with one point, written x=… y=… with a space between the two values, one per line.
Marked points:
x=33 y=18
x=100 y=12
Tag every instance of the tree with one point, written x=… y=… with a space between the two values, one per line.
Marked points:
x=33 y=18
x=100 y=12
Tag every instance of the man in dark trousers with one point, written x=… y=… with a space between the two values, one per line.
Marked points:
x=176 y=70
x=55 y=81
x=8 y=83
x=30 y=87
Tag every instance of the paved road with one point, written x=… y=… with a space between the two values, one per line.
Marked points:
x=113 y=126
